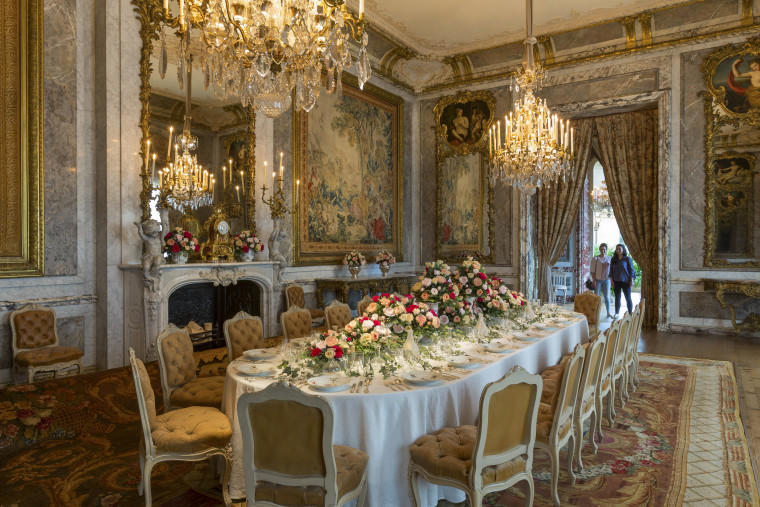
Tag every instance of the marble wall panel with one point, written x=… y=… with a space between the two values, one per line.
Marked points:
x=497 y=56
x=694 y=12
x=603 y=87
x=589 y=36
x=60 y=145
x=70 y=334
x=692 y=161
x=703 y=305
x=283 y=143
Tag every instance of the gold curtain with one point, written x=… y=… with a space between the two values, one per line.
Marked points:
x=629 y=154
x=557 y=208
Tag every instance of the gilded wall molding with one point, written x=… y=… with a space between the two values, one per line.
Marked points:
x=22 y=189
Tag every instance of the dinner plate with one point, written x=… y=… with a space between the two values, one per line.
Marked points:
x=466 y=362
x=329 y=383
x=498 y=348
x=422 y=377
x=523 y=337
x=547 y=328
x=256 y=370
x=259 y=354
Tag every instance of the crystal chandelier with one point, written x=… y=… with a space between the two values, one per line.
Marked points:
x=184 y=184
x=536 y=147
x=263 y=50
x=600 y=200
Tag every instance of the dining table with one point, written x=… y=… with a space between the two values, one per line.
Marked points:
x=386 y=415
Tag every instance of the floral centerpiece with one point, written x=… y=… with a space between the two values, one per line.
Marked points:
x=332 y=346
x=471 y=278
x=516 y=302
x=435 y=284
x=492 y=304
x=179 y=243
x=247 y=245
x=354 y=260
x=384 y=259
x=456 y=312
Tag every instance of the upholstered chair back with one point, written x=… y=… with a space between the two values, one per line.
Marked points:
x=287 y=439
x=612 y=334
x=624 y=334
x=243 y=332
x=590 y=305
x=296 y=323
x=592 y=368
x=337 y=314
x=146 y=399
x=519 y=397
x=34 y=327
x=568 y=393
x=176 y=354
x=362 y=305
x=294 y=296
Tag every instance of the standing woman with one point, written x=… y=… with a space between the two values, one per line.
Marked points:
x=622 y=275
x=600 y=272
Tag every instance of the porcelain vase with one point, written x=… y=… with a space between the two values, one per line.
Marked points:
x=354 y=270
x=384 y=268
x=180 y=257
x=247 y=256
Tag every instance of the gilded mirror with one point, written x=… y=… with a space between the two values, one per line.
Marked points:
x=732 y=148
x=223 y=127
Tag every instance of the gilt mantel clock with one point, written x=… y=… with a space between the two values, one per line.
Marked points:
x=219 y=245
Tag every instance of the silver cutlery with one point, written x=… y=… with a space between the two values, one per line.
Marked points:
x=366 y=386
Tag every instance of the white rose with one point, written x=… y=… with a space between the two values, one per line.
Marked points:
x=367 y=324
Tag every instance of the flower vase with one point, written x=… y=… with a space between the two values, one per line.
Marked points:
x=331 y=366
x=180 y=257
x=354 y=270
x=247 y=256
x=384 y=268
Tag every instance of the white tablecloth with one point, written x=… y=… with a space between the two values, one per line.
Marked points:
x=384 y=423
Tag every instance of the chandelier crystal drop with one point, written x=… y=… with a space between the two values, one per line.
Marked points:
x=600 y=200
x=267 y=51
x=535 y=147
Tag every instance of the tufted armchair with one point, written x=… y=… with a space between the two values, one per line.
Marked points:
x=179 y=383
x=296 y=323
x=243 y=332
x=362 y=305
x=554 y=427
x=492 y=456
x=590 y=305
x=34 y=339
x=187 y=434
x=288 y=452
x=294 y=297
x=337 y=314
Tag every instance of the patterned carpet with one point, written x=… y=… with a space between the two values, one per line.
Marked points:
x=73 y=441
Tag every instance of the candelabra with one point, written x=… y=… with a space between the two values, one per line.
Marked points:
x=276 y=200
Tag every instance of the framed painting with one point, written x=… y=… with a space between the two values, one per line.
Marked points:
x=731 y=205
x=462 y=120
x=347 y=156
x=464 y=203
x=732 y=76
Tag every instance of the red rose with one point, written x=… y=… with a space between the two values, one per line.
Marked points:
x=453 y=296
x=338 y=352
x=385 y=295
x=376 y=322
x=197 y=248
x=482 y=275
x=44 y=423
x=375 y=298
x=315 y=352
x=188 y=235
x=175 y=248
x=245 y=248
x=168 y=235
x=24 y=413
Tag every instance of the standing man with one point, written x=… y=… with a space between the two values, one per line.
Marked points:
x=600 y=273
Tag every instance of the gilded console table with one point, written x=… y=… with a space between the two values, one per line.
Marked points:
x=401 y=283
x=750 y=289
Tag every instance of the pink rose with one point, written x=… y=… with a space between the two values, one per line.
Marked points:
x=421 y=319
x=331 y=341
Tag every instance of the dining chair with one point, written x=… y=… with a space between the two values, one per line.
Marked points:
x=632 y=351
x=179 y=383
x=34 y=341
x=619 y=372
x=186 y=434
x=585 y=405
x=243 y=332
x=606 y=385
x=590 y=305
x=337 y=315
x=491 y=456
x=296 y=323
x=294 y=296
x=554 y=428
x=559 y=283
x=362 y=305
x=288 y=452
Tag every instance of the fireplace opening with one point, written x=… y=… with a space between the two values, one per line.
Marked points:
x=208 y=306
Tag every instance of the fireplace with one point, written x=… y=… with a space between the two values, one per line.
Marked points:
x=209 y=305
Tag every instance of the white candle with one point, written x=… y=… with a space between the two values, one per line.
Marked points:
x=237 y=190
x=230 y=171
x=161 y=179
x=213 y=188
x=224 y=177
x=166 y=5
x=280 y=158
x=169 y=149
x=242 y=181
x=273 y=183
x=571 y=140
x=361 y=8
x=298 y=190
x=154 y=166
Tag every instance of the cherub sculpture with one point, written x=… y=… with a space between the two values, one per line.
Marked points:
x=152 y=257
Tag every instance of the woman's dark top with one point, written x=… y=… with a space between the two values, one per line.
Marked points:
x=621 y=270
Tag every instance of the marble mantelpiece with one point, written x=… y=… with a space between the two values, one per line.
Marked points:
x=148 y=309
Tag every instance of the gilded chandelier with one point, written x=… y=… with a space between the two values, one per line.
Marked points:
x=600 y=200
x=263 y=50
x=537 y=146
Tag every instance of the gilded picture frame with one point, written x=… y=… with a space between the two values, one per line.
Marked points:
x=347 y=155
x=464 y=206
x=731 y=75
x=22 y=188
x=462 y=120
